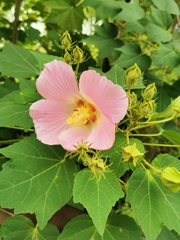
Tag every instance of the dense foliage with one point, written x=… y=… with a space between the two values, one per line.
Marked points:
x=130 y=191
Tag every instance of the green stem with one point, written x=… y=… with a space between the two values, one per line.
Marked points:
x=19 y=128
x=146 y=134
x=150 y=166
x=77 y=69
x=158 y=121
x=161 y=145
x=127 y=137
x=9 y=141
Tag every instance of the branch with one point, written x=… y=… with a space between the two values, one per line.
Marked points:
x=16 y=21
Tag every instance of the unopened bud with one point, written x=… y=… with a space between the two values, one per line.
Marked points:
x=67 y=58
x=97 y=166
x=132 y=98
x=147 y=108
x=149 y=91
x=66 y=40
x=170 y=177
x=132 y=75
x=78 y=55
x=131 y=154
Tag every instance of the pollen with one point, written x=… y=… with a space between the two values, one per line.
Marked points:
x=83 y=115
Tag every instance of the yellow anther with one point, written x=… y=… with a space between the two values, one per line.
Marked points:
x=79 y=117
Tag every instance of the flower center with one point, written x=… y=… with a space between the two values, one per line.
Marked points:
x=82 y=115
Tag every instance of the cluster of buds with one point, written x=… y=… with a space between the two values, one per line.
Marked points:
x=90 y=159
x=146 y=106
x=73 y=55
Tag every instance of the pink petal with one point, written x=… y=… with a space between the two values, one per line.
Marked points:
x=74 y=135
x=49 y=119
x=110 y=98
x=57 y=82
x=102 y=135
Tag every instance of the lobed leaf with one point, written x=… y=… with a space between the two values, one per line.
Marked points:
x=104 y=39
x=131 y=54
x=20 y=227
x=167 y=5
x=129 y=12
x=104 y=9
x=153 y=204
x=36 y=180
x=117 y=227
x=66 y=13
x=157 y=25
x=168 y=55
x=98 y=195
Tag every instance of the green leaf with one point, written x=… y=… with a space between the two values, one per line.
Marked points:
x=164 y=161
x=163 y=99
x=130 y=12
x=131 y=54
x=167 y=5
x=157 y=25
x=103 y=8
x=167 y=56
x=117 y=75
x=117 y=227
x=13 y=114
x=44 y=58
x=97 y=194
x=115 y=156
x=66 y=13
x=37 y=180
x=153 y=204
x=28 y=93
x=17 y=62
x=20 y=227
x=104 y=39
x=172 y=136
x=7 y=86
x=166 y=234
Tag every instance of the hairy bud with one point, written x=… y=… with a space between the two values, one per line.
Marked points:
x=149 y=91
x=67 y=58
x=78 y=55
x=132 y=75
x=66 y=40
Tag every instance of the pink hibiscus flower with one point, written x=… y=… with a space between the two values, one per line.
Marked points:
x=69 y=116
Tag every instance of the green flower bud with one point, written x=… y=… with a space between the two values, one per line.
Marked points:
x=132 y=98
x=78 y=55
x=67 y=58
x=66 y=40
x=131 y=154
x=149 y=91
x=170 y=178
x=132 y=75
x=97 y=166
x=147 y=108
